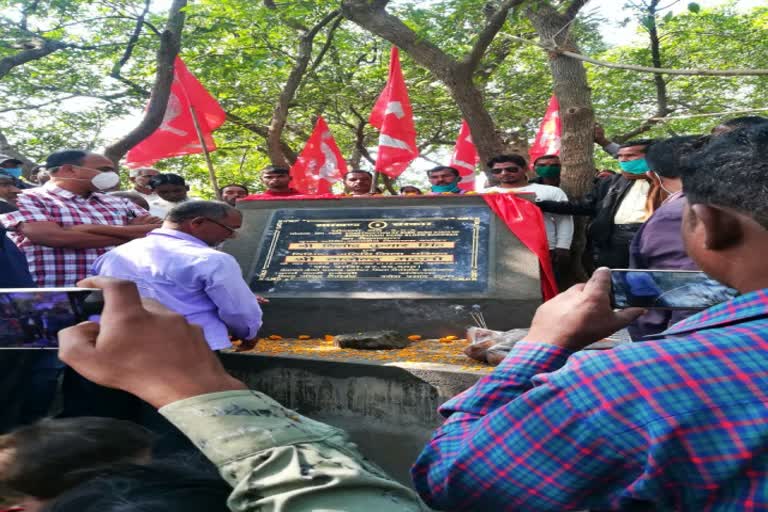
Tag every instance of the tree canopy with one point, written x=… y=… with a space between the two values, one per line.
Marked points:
x=90 y=63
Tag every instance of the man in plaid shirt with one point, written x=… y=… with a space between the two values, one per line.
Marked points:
x=676 y=423
x=63 y=226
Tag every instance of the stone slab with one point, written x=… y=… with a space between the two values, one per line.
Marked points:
x=389 y=410
x=428 y=301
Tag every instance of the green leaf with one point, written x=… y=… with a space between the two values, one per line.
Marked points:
x=694 y=7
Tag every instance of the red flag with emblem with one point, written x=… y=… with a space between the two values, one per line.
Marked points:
x=465 y=158
x=548 y=138
x=320 y=163
x=393 y=116
x=176 y=135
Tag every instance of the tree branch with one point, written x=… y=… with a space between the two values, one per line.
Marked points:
x=46 y=47
x=484 y=39
x=372 y=17
x=326 y=45
x=574 y=8
x=280 y=112
x=644 y=69
x=170 y=42
x=131 y=42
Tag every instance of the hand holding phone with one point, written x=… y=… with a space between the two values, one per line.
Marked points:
x=30 y=318
x=143 y=348
x=666 y=289
x=580 y=316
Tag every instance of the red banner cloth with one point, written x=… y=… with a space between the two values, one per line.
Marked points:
x=465 y=157
x=320 y=163
x=548 y=138
x=525 y=220
x=393 y=117
x=176 y=135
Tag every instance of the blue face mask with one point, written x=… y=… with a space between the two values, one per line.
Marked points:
x=451 y=187
x=12 y=171
x=639 y=166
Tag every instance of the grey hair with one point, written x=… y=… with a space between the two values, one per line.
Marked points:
x=189 y=210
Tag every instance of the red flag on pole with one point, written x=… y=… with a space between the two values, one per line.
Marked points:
x=176 y=135
x=465 y=158
x=393 y=116
x=320 y=163
x=548 y=138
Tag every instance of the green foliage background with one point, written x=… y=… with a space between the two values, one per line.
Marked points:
x=243 y=52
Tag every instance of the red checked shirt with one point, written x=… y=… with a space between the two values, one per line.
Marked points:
x=61 y=266
x=679 y=423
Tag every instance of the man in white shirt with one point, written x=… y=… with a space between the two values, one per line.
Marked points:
x=170 y=190
x=140 y=178
x=509 y=171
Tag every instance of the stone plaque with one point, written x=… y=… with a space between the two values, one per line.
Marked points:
x=429 y=250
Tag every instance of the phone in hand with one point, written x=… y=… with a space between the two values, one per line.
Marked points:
x=30 y=318
x=666 y=289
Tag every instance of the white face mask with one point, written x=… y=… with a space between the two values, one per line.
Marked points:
x=661 y=183
x=102 y=181
x=105 y=180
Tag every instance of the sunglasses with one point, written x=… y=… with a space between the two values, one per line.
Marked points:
x=507 y=169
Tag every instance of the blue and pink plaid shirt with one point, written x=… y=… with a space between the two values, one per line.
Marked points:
x=677 y=423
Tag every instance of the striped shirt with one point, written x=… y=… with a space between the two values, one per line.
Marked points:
x=62 y=266
x=676 y=423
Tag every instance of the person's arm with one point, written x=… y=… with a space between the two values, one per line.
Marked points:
x=53 y=235
x=237 y=306
x=563 y=226
x=124 y=233
x=609 y=147
x=274 y=458
x=530 y=437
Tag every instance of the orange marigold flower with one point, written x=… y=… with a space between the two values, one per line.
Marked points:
x=275 y=337
x=329 y=337
x=415 y=337
x=305 y=337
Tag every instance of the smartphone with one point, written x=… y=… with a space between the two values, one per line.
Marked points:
x=30 y=318
x=666 y=289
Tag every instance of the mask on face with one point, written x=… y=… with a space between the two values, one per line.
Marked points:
x=13 y=171
x=639 y=166
x=102 y=181
x=661 y=182
x=548 y=171
x=451 y=187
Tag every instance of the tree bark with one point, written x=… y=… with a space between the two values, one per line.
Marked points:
x=457 y=76
x=46 y=47
x=170 y=43
x=280 y=113
x=575 y=97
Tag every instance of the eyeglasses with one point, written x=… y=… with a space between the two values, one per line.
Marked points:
x=230 y=229
x=507 y=169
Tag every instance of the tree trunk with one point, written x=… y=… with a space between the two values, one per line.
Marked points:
x=170 y=42
x=457 y=76
x=574 y=95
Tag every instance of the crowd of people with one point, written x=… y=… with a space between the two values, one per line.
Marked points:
x=677 y=421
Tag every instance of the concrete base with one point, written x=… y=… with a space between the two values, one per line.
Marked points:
x=389 y=410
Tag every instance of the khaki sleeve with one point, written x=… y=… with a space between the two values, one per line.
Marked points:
x=280 y=461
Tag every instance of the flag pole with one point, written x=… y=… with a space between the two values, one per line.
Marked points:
x=374 y=182
x=211 y=172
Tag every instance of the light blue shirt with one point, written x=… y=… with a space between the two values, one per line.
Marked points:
x=186 y=275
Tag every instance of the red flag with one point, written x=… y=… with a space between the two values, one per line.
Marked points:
x=548 y=138
x=320 y=163
x=525 y=220
x=465 y=158
x=393 y=116
x=176 y=135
